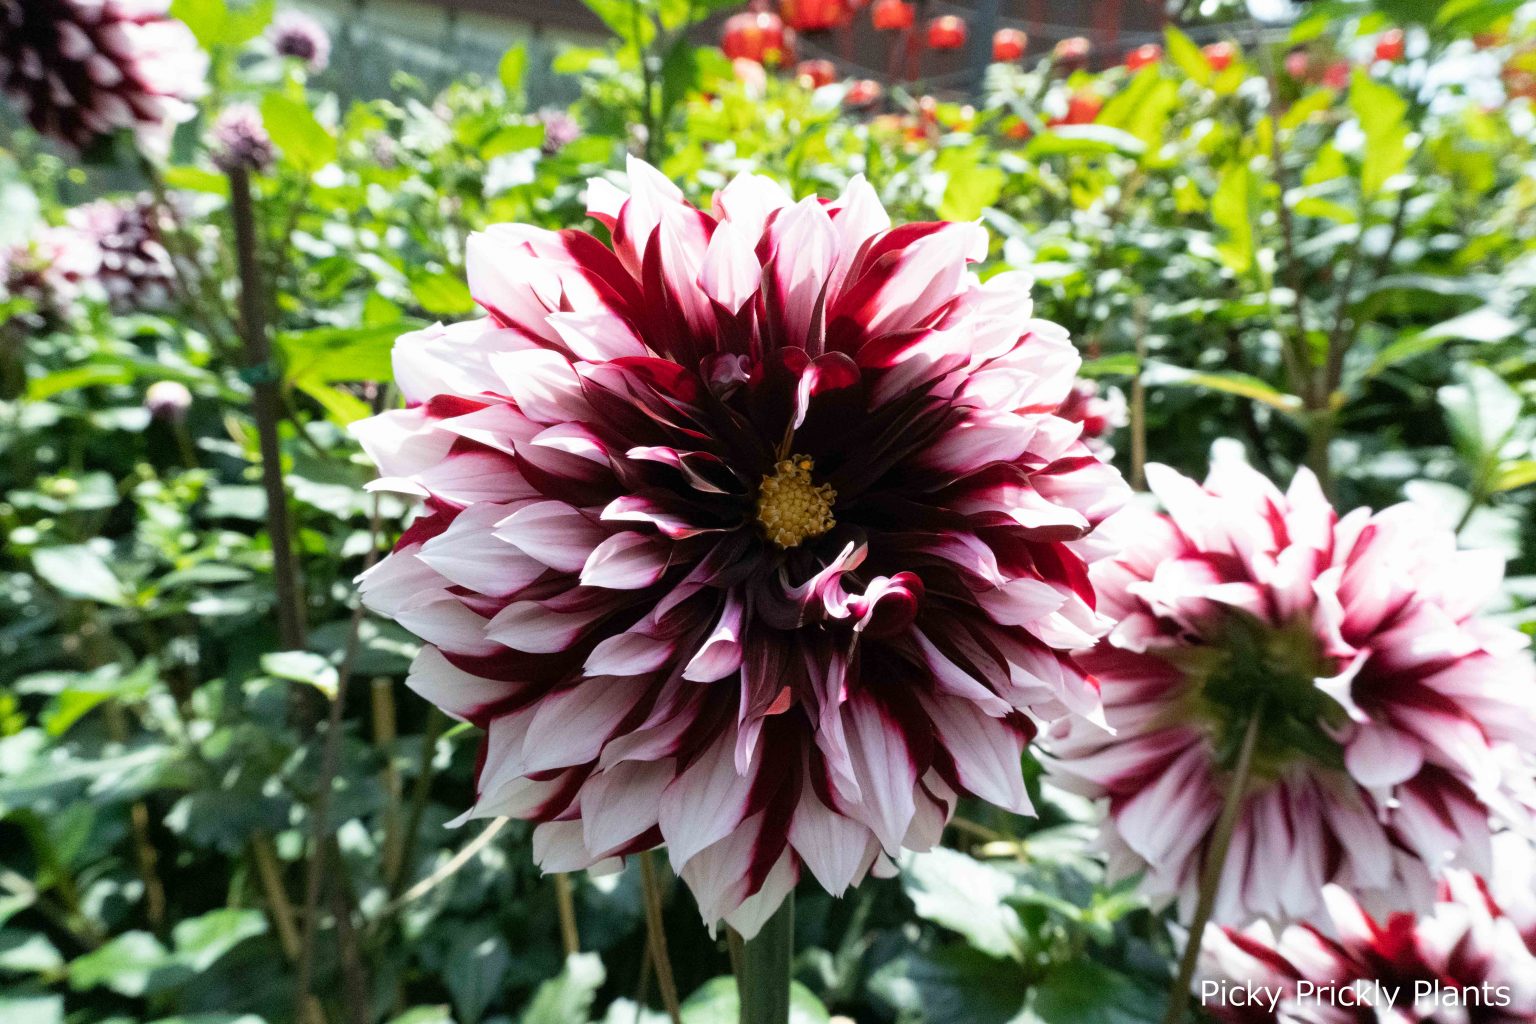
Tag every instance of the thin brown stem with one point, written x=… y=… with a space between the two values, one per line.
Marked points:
x=1139 y=402
x=421 y=790
x=448 y=870
x=1219 y=842
x=656 y=937
x=354 y=976
x=565 y=909
x=384 y=721
x=330 y=763
x=269 y=874
x=267 y=408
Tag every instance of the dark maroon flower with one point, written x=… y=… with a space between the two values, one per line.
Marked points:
x=755 y=535
x=83 y=69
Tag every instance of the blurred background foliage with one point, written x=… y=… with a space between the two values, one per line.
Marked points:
x=1295 y=244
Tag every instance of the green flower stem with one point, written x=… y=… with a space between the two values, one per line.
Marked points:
x=765 y=968
x=1210 y=875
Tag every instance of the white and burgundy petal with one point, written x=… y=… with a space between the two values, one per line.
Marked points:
x=758 y=533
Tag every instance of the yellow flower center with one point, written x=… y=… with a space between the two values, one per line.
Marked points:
x=790 y=507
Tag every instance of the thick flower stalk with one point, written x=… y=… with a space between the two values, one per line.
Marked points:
x=84 y=69
x=135 y=269
x=1470 y=959
x=754 y=535
x=1391 y=717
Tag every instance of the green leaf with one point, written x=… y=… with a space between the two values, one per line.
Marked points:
x=325 y=355
x=633 y=26
x=477 y=964
x=1514 y=475
x=201 y=941
x=214 y=23
x=1121 y=364
x=75 y=570
x=295 y=130
x=31 y=1008
x=1226 y=381
x=1084 y=139
x=971 y=186
x=718 y=1002
x=1383 y=119
x=514 y=138
x=569 y=996
x=24 y=952
x=1083 y=992
x=965 y=895
x=960 y=985
x=1232 y=213
x=1143 y=107
x=127 y=965
x=679 y=75
x=1485 y=325
x=512 y=69
x=1187 y=56
x=341 y=407
x=76 y=377
x=302 y=667
x=1481 y=411
x=441 y=293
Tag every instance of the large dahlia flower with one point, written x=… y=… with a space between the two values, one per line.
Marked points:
x=1471 y=959
x=1391 y=717
x=753 y=535
x=83 y=69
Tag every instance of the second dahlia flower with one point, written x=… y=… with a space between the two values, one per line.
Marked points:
x=135 y=268
x=1392 y=719
x=1470 y=959
x=754 y=535
x=83 y=69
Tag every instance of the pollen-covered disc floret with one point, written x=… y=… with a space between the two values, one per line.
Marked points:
x=1392 y=717
x=754 y=535
x=790 y=507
